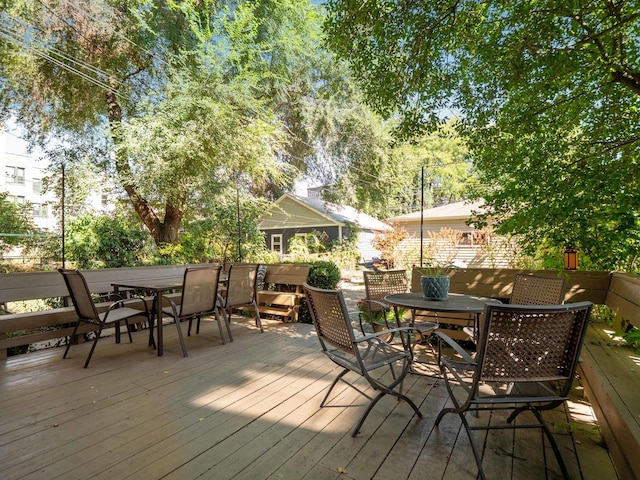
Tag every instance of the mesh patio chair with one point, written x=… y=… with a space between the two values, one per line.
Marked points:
x=537 y=290
x=378 y=284
x=531 y=290
x=241 y=292
x=526 y=361
x=87 y=312
x=364 y=355
x=198 y=299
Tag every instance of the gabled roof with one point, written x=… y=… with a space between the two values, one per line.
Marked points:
x=334 y=214
x=452 y=211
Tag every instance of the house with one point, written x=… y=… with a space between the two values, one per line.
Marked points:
x=450 y=237
x=294 y=215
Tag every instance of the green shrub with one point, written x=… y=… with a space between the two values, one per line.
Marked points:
x=321 y=275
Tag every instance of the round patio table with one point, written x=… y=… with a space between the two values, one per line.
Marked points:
x=455 y=303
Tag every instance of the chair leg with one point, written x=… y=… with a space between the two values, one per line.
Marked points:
x=258 y=319
x=364 y=416
x=182 y=344
x=226 y=315
x=126 y=322
x=474 y=448
x=335 y=381
x=216 y=314
x=93 y=347
x=152 y=340
x=554 y=445
x=73 y=334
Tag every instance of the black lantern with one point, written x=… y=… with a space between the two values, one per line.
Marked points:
x=570 y=258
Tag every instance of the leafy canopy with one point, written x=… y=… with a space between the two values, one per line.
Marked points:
x=549 y=97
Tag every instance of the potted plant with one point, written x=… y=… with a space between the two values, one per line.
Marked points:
x=379 y=317
x=435 y=281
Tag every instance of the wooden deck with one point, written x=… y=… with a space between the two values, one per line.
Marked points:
x=247 y=410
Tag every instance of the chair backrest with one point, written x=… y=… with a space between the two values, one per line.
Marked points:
x=379 y=284
x=241 y=286
x=538 y=343
x=199 y=289
x=80 y=294
x=537 y=290
x=330 y=318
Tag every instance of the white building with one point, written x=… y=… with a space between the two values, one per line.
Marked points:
x=22 y=179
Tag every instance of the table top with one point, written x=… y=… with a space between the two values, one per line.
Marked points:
x=455 y=302
x=152 y=287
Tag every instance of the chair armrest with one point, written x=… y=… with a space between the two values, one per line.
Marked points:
x=382 y=305
x=443 y=338
x=384 y=332
x=123 y=302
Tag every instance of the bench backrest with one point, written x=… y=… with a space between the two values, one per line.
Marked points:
x=287 y=274
x=41 y=285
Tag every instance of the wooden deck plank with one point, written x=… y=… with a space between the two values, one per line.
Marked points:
x=245 y=410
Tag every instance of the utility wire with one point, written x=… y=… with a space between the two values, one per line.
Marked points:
x=105 y=24
x=14 y=37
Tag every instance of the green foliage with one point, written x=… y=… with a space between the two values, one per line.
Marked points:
x=631 y=337
x=16 y=223
x=104 y=242
x=602 y=313
x=371 y=316
x=345 y=253
x=321 y=275
x=386 y=178
x=324 y=275
x=549 y=106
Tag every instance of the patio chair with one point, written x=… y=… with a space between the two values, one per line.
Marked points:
x=364 y=355
x=531 y=290
x=537 y=290
x=378 y=284
x=87 y=312
x=198 y=299
x=240 y=292
x=526 y=361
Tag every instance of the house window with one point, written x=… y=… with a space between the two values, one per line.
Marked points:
x=276 y=243
x=15 y=175
x=18 y=200
x=40 y=210
x=37 y=186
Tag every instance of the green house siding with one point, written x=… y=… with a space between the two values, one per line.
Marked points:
x=287 y=233
x=291 y=214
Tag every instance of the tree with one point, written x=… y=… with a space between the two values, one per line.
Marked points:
x=69 y=70
x=549 y=97
x=16 y=223
x=383 y=176
x=186 y=95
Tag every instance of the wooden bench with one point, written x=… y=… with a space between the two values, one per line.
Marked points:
x=54 y=323
x=282 y=290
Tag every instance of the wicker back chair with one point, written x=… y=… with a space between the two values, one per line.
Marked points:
x=526 y=360
x=361 y=354
x=198 y=299
x=531 y=290
x=537 y=290
x=379 y=284
x=88 y=313
x=241 y=292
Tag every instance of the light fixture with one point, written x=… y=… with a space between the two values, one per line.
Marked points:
x=570 y=258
